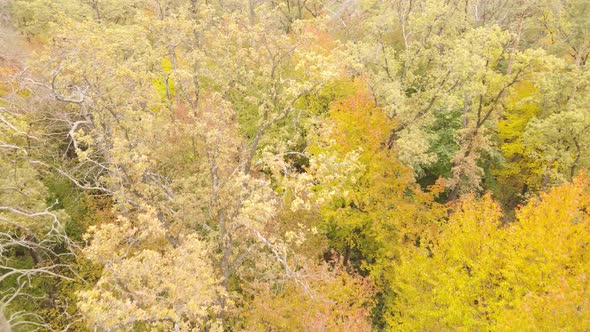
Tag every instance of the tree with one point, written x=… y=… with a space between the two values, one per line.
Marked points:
x=556 y=137
x=34 y=244
x=338 y=301
x=376 y=208
x=203 y=195
x=481 y=274
x=447 y=58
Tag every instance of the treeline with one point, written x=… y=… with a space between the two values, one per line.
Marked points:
x=294 y=165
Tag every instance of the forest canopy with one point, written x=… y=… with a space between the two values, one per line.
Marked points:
x=294 y=165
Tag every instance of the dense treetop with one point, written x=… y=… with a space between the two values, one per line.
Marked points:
x=294 y=165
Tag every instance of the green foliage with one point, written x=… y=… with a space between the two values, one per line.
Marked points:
x=443 y=145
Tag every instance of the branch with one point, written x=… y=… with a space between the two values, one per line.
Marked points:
x=29 y=272
x=71 y=178
x=264 y=127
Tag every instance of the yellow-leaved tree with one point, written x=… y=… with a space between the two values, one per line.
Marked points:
x=485 y=275
x=378 y=208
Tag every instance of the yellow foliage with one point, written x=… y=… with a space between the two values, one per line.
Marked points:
x=484 y=275
x=519 y=170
